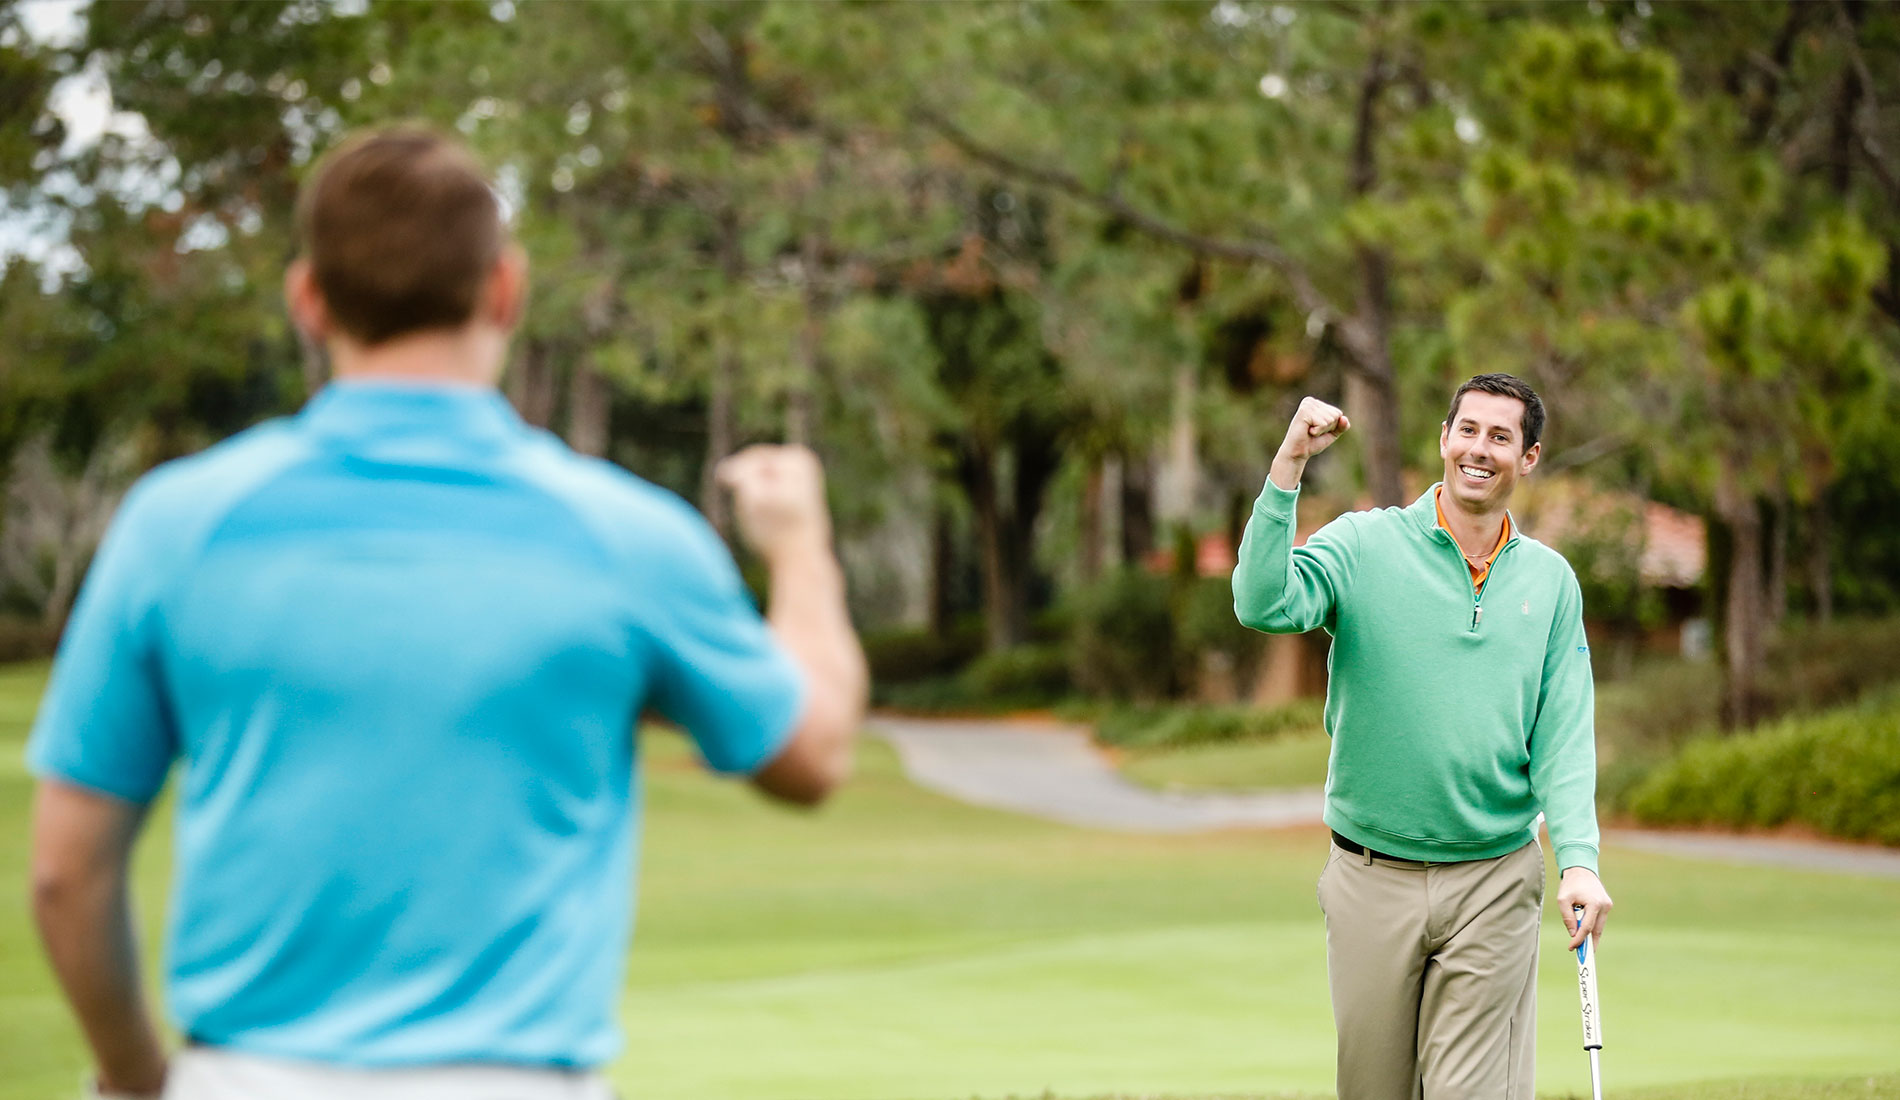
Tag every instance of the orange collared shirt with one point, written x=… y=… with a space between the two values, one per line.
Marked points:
x=1478 y=573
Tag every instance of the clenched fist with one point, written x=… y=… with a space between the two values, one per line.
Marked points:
x=1314 y=428
x=778 y=498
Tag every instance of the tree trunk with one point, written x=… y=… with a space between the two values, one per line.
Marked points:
x=721 y=437
x=1742 y=627
x=942 y=563
x=531 y=384
x=1841 y=140
x=979 y=465
x=1036 y=461
x=1137 y=508
x=811 y=338
x=721 y=394
x=1180 y=475
x=1775 y=586
x=1089 y=560
x=1373 y=406
x=65 y=585
x=589 y=411
x=811 y=341
x=1371 y=389
x=314 y=360
x=1821 y=560
x=1239 y=511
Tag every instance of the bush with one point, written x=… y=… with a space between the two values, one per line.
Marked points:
x=26 y=639
x=1122 y=641
x=1023 y=672
x=1838 y=772
x=907 y=656
x=1180 y=726
x=1019 y=678
x=1809 y=668
x=1206 y=624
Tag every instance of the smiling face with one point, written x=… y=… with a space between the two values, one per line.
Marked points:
x=1484 y=452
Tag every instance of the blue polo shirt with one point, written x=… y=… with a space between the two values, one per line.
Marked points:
x=400 y=643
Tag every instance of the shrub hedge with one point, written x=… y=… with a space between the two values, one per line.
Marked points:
x=906 y=656
x=1838 y=772
x=1122 y=641
x=26 y=639
x=1024 y=671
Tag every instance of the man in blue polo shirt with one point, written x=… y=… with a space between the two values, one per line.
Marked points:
x=398 y=646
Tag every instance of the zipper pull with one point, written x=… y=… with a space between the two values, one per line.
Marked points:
x=1477 y=615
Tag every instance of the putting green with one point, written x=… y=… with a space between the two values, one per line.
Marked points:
x=1291 y=760
x=896 y=945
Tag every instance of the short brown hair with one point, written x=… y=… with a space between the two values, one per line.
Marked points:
x=401 y=230
x=1506 y=385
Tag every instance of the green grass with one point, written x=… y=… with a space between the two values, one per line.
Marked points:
x=896 y=946
x=1280 y=763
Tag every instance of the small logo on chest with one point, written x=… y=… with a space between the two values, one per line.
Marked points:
x=1527 y=607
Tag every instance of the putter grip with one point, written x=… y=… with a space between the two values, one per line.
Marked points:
x=1587 y=989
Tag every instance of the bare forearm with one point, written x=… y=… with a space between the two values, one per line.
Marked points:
x=807 y=613
x=85 y=922
x=1287 y=470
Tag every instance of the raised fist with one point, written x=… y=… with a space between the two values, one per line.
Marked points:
x=778 y=498
x=1315 y=426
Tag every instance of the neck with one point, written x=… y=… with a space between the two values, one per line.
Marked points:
x=469 y=356
x=1475 y=532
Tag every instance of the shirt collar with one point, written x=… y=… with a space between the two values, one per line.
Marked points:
x=357 y=407
x=1431 y=517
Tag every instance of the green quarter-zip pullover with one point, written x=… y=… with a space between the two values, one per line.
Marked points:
x=1457 y=713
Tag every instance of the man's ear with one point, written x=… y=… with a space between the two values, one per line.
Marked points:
x=1444 y=438
x=505 y=295
x=308 y=311
x=1530 y=458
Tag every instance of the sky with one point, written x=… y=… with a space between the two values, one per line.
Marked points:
x=83 y=101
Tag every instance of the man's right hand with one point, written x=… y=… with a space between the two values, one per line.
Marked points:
x=778 y=498
x=1314 y=428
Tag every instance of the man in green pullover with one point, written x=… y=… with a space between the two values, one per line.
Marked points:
x=1460 y=706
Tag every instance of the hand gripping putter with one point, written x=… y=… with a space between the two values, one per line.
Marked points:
x=1592 y=1022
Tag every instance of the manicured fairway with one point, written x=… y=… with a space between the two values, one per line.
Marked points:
x=899 y=946
x=1295 y=759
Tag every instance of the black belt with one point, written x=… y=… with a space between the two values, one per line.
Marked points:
x=1348 y=845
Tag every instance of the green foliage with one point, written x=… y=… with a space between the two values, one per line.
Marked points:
x=1810 y=668
x=1204 y=623
x=1124 y=644
x=1644 y=720
x=26 y=639
x=744 y=218
x=1605 y=551
x=1026 y=672
x=1837 y=772
x=905 y=656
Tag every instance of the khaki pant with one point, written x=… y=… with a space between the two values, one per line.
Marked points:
x=1434 y=975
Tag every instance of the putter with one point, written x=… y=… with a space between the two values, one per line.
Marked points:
x=1592 y=1020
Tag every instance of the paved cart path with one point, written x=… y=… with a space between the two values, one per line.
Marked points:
x=1054 y=771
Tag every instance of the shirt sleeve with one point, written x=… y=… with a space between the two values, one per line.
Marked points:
x=719 y=672
x=1283 y=589
x=1563 y=742
x=105 y=722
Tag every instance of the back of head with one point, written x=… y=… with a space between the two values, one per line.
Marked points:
x=401 y=230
